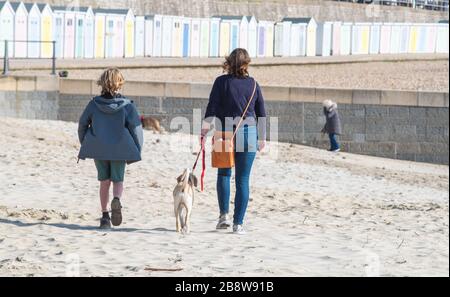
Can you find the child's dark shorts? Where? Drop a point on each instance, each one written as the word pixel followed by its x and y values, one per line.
pixel 112 170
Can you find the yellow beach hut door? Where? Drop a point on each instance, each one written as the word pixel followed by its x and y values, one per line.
pixel 47 32
pixel 99 36
pixel 129 37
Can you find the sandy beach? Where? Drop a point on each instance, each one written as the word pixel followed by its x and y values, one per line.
pixel 312 213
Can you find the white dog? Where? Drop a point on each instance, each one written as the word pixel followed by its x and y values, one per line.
pixel 183 198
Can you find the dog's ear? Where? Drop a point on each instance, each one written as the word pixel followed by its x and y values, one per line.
pixel 193 180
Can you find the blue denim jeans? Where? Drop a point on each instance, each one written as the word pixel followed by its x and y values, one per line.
pixel 333 142
pixel 246 147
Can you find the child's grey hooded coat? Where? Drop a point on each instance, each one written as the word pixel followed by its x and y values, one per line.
pixel 333 123
pixel 110 129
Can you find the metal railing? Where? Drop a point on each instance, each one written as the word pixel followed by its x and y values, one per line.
pixel 440 5
pixel 6 56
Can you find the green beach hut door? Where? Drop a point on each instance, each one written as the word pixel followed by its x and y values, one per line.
pixel 80 38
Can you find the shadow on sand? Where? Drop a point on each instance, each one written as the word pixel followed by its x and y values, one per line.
pixel 76 227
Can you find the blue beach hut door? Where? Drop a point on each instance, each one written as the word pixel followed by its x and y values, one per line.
pixel 214 39
pixel 186 37
pixel 234 36
pixel 59 37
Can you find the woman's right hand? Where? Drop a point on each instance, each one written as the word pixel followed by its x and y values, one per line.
pixel 203 137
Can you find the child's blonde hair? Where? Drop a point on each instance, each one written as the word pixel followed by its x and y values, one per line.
pixel 111 81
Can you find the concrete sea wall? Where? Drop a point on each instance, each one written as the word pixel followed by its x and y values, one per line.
pixel 394 124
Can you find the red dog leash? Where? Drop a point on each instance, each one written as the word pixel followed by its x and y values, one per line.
pixel 202 152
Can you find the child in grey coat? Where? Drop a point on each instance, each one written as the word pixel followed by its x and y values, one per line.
pixel 333 124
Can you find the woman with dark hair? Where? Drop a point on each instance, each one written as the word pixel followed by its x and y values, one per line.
pixel 229 98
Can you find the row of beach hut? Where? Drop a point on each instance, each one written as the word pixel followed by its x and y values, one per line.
pixel 115 33
pixel 305 37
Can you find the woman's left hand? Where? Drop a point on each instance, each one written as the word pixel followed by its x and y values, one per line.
pixel 261 145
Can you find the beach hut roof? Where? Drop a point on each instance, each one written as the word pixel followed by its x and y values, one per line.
pixel 29 6
pixel 112 11
pixel 43 6
pixel 229 17
pixel 3 3
pixel 15 5
pixel 298 20
pixel 250 17
pixel 67 8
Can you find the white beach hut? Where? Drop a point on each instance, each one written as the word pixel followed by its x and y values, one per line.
pixel 282 39
pixel 20 31
pixel 336 39
pixel 204 37
pixel 236 29
pixel 243 32
pixel 195 37
pixel 262 39
pixel 385 38
pixel 89 33
pixel 214 37
pixel 346 39
pixel 34 32
pixel 166 37
pixel 6 28
pixel 375 35
pixel 324 38
pixel 442 38
pixel 294 40
pixel 80 31
pixel 311 32
pixel 252 36
pixel 139 40
pixel 396 37
pixel 99 34
pixel 177 37
pixel 186 37
pixel 430 31
pixel 46 30
pixel 68 31
pixel 119 27
pixel 157 35
pixel 148 32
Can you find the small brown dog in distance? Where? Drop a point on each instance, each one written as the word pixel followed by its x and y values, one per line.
pixel 150 123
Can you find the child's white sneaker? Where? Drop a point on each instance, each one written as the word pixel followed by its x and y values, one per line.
pixel 238 229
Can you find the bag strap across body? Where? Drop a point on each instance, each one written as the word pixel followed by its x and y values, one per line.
pixel 245 112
